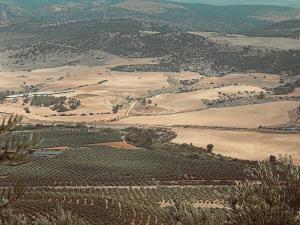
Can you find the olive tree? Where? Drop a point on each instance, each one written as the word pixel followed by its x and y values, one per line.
pixel 271 198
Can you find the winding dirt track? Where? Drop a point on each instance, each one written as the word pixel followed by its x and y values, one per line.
pixel 131 108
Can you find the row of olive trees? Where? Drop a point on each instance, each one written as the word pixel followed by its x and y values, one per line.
pixel 8 216
pixel 273 199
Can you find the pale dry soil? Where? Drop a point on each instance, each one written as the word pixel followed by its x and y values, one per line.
pixel 192 101
pixel 242 144
pixel 248 116
pixel 117 144
pixel 96 99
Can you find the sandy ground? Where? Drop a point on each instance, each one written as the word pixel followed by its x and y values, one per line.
pixel 249 116
pixel 241 144
pixel 269 42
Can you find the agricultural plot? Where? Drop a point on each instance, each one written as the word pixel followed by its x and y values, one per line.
pixel 242 144
pixel 193 101
pixel 248 116
pixel 136 108
pixel 106 185
pixel 118 205
pixel 72 137
pixel 100 165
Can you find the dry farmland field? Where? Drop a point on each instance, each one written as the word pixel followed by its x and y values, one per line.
pixel 121 112
pixel 250 116
pixel 161 99
pixel 242 144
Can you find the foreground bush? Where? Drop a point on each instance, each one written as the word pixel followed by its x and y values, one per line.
pixel 273 200
pixel 60 217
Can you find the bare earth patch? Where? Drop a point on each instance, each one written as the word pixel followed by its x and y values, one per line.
pixel 242 144
pixel 59 148
pixel 249 116
pixel 119 144
pixel 192 101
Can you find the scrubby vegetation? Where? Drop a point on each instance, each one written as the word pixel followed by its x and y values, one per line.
pixel 58 104
pixel 286 88
pixel 147 138
pixel 175 50
pixel 273 199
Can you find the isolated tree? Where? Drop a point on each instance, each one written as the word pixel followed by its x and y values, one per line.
pixel 210 147
pixel 148 142
pixel 274 199
pixel 273 159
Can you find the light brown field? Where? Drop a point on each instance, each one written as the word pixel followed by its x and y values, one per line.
pixel 96 99
pixel 269 42
pixel 119 144
pixel 184 108
pixel 252 79
pixel 242 144
pixel 249 116
pixel 192 101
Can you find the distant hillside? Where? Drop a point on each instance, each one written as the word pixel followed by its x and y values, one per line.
pixel 43 3
pixel 290 3
pixel 179 16
pixel 10 14
pixel 289 28
pixel 35 3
